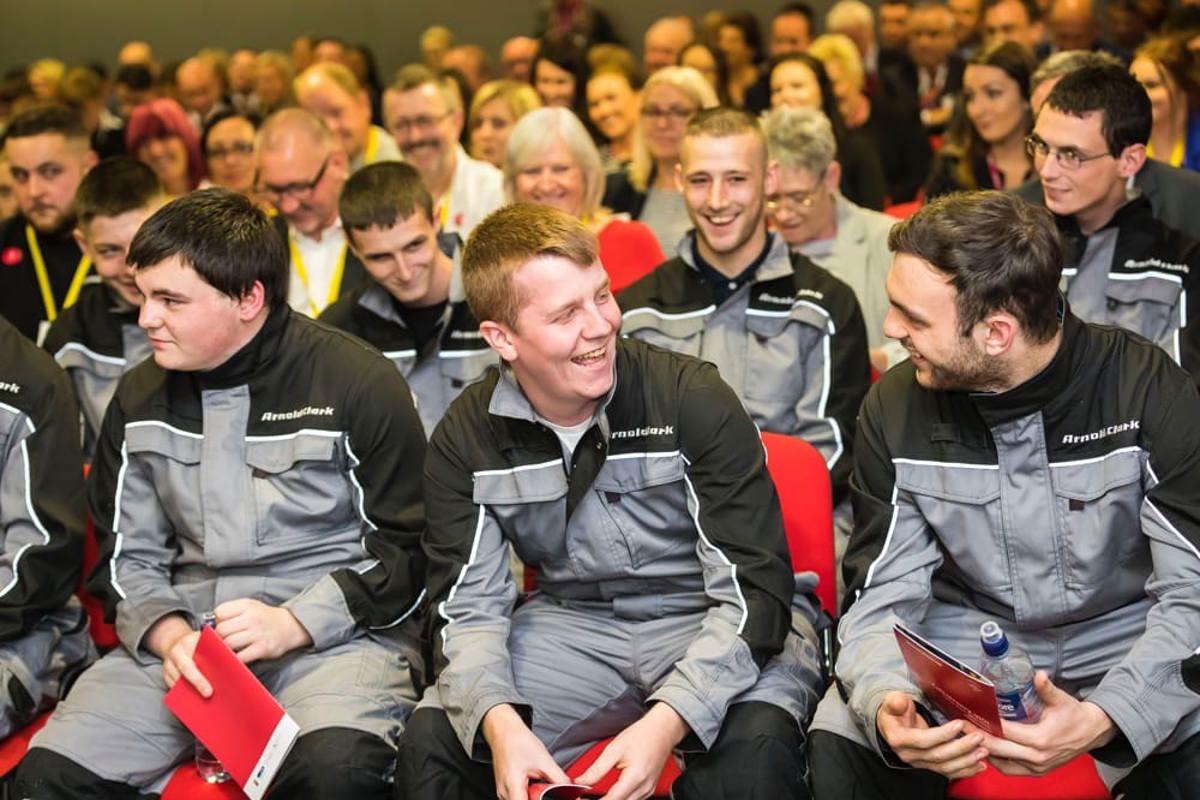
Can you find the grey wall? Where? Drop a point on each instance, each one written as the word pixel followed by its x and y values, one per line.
pixel 75 30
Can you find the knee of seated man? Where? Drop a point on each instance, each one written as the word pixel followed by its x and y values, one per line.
pixel 756 736
pixel 335 763
pixel 46 775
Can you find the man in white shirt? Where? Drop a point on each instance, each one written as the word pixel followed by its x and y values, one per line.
pixel 331 91
pixel 301 169
pixel 425 115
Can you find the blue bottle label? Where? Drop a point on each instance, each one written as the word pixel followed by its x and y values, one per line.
pixel 1011 706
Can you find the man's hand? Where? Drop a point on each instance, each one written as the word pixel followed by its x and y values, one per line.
pixel 942 749
pixel 517 755
pixel 255 630
pixel 639 752
pixel 173 640
pixel 1066 728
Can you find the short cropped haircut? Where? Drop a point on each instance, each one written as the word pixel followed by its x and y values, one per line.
pixel 1124 106
pixel 723 121
pixel 44 119
pixel 115 186
pixel 382 194
pixel 799 138
pixel 509 238
pixel 224 237
pixel 1058 64
pixel 538 131
pixel 999 252
pixel 801 9
pixel 414 76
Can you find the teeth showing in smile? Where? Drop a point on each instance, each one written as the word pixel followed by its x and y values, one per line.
pixel 721 220
pixel 594 355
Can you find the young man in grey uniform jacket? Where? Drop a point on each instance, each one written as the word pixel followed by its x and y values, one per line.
pixel 43 631
pixel 635 483
pixel 1028 468
pixel 262 467
pixel 413 309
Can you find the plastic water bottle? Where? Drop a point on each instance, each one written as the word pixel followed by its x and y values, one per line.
pixel 1010 669
pixel 208 765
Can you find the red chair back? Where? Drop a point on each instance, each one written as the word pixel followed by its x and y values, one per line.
pixel 1075 780
pixel 806 498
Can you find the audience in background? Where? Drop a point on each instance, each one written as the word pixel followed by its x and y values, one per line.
pixel 331 91
pixel 968 25
pixel 664 42
pixel 613 106
pixel 495 108
pixel 516 58
pixel 894 24
pixel 201 89
pixel 1171 78
pixel 792 29
pixel 273 81
pixel 161 134
pixel 1014 21
pixel 227 144
pixel 560 74
pixel 740 41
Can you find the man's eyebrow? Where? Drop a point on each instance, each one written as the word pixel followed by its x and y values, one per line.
pixel 167 293
pixel 908 312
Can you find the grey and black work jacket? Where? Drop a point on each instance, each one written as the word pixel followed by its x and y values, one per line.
pixel 41 485
pixel 1064 507
pixel 1137 274
pixel 791 342
pixel 454 358
pixel 289 474
pixel 666 509
pixel 96 341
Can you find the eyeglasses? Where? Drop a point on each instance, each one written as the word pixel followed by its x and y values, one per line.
pixel 1067 157
pixel 794 201
pixel 674 113
pixel 424 122
pixel 234 148
pixel 297 191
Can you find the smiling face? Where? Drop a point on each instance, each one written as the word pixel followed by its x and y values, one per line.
pixel 489 133
pixel 994 104
pixel 106 240
pixel 230 150
pixel 424 128
pixel 555 85
pixel 167 156
pixel 793 85
pixel 666 110
pixel 347 115
pixel 724 180
pixel 803 208
pixel 612 105
pixel 554 180
pixel 562 348
pixel 405 260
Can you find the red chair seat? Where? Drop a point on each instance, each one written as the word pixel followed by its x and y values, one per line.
pixel 670 772
pixel 12 749
pixel 1075 780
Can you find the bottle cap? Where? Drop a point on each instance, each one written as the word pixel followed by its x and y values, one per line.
pixel 992 638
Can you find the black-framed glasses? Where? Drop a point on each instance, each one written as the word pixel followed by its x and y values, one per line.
pixel 232 149
pixel 425 122
pixel 794 201
pixel 298 190
pixel 673 113
pixel 1067 157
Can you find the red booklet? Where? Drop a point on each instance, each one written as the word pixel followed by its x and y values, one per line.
pixel 559 791
pixel 958 691
pixel 241 724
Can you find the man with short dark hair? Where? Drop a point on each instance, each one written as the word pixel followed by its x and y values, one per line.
pixel 424 112
pixel 98 340
pixel 262 468
pixel 413 309
pixel 1123 266
pixel 935 73
pixel 1025 467
pixel 791 29
pixel 1017 21
pixel 41 267
pixel 634 481
pixel 785 334
pixel 893 24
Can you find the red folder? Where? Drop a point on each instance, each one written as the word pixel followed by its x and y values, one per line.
pixel 241 724
pixel 559 791
pixel 958 691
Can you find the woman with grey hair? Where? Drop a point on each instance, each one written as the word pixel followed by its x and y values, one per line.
pixel 551 160
pixel 815 219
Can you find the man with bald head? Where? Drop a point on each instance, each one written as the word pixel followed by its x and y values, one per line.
pixel 1073 26
pixel 516 57
pixel 471 62
pixel 137 52
pixel 302 167
pixel 424 113
pixel 664 41
pixel 201 90
pixel 331 91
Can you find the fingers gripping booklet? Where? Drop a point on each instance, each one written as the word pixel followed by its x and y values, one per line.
pixel 241 724
pixel 956 689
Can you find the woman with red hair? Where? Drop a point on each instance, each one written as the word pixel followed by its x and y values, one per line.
pixel 160 134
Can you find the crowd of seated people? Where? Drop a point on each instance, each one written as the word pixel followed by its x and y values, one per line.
pixel 355 363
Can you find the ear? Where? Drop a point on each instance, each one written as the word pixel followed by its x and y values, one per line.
pixel 833 176
pixel 679 175
pixel 252 302
pixel 771 179
pixel 90 160
pixel 340 161
pixel 1131 160
pixel 500 338
pixel 999 332
pixel 82 241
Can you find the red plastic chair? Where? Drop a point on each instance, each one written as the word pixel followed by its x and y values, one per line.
pixel 1075 780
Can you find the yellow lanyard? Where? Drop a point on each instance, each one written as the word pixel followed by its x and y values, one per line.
pixel 443 213
pixel 335 284
pixel 372 146
pixel 43 277
pixel 1176 159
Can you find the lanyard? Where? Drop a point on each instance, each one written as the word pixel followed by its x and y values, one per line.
pixel 372 146
pixel 43 277
pixel 443 213
pixel 335 284
pixel 1176 159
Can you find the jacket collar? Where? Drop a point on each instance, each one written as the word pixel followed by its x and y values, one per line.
pixel 254 356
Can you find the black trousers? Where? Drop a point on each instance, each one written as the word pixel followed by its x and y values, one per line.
pixel 336 763
pixel 758 755
pixel 845 770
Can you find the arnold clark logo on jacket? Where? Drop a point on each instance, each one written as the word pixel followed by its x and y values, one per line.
pixel 307 411
pixel 653 430
pixel 11 388
pixel 1080 438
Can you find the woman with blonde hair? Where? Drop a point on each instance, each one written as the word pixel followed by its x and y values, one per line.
pixel 495 108
pixel 551 160
pixel 273 81
pixel 647 191
pixel 1171 76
